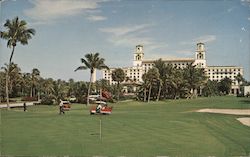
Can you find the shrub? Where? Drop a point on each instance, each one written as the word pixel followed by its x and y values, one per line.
pixel 47 100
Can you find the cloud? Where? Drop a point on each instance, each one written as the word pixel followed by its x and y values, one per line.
pixel 96 18
pixel 124 30
pixel 231 9
pixel 245 2
pixel 203 39
pixel 243 29
pixel 132 35
pixel 248 18
pixel 49 10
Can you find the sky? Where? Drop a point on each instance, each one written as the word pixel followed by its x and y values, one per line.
pixel 66 30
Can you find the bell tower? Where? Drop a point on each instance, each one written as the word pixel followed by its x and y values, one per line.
pixel 200 56
pixel 138 55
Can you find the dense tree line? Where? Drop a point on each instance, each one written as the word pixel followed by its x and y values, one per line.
pixel 32 86
pixel 164 81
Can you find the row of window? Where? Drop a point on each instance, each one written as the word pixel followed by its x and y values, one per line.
pixel 174 64
pixel 221 76
pixel 223 70
pixel 230 73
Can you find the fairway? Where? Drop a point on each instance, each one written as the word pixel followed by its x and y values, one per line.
pixel 165 128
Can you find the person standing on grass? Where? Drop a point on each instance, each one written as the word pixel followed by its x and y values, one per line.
pixel 24 107
pixel 61 107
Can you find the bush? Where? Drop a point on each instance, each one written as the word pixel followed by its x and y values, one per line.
pixel 47 100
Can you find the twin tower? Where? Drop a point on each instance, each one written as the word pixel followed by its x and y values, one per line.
pixel 199 60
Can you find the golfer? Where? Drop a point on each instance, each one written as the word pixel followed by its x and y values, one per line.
pixel 61 110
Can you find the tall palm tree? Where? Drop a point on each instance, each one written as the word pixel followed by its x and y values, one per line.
pixel 92 61
pixel 17 31
pixel 118 75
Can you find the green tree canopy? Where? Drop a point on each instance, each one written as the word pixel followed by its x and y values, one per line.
pixel 92 61
pixel 16 31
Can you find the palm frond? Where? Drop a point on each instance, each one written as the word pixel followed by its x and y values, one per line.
pixel 81 68
pixel 86 63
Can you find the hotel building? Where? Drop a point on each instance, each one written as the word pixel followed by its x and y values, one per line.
pixel 141 66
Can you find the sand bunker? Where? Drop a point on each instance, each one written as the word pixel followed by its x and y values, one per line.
pixel 244 121
pixel 227 111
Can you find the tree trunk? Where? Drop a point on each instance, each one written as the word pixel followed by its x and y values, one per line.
pixel 149 92
pixel 159 93
pixel 118 92
pixel 31 92
pixel 90 82
pixel 34 92
pixel 195 93
pixel 7 89
pixel 7 79
pixel 145 95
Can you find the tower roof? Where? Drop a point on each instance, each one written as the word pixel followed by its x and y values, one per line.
pixel 200 43
pixel 139 45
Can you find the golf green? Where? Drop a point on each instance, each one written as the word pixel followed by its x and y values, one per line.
pixel 164 128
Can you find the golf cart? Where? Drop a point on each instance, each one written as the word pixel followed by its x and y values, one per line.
pixel 100 108
pixel 66 106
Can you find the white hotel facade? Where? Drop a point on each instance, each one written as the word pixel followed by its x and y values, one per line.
pixel 141 66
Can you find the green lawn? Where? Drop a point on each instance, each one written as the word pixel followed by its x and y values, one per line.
pixel 166 128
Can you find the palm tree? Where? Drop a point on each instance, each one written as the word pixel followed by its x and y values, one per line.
pixel 14 73
pixel 92 62
pixel 162 68
pixel 159 81
pixel 145 86
pixel 47 86
pixel 152 76
pixel 239 78
pixel 17 31
pixel 195 78
pixel 118 75
pixel 35 75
